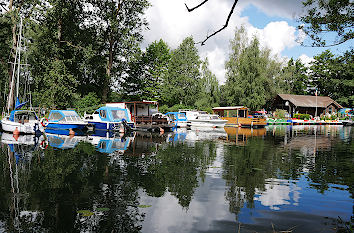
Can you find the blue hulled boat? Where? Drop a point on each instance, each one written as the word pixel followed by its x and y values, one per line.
pixel 110 118
pixel 178 118
pixel 64 120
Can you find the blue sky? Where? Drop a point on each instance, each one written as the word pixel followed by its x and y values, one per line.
pixel 260 20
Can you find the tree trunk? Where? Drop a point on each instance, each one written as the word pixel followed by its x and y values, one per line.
pixel 107 79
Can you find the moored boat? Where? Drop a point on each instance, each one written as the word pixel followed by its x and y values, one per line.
pixel 238 117
pixel 110 118
pixel 203 119
pixel 180 119
pixel 64 120
pixel 21 121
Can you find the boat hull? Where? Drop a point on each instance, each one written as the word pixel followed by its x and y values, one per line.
pixel 109 125
pixel 181 124
pixel 31 127
pixel 66 126
pixel 207 123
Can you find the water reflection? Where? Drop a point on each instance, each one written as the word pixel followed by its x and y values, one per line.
pixel 183 181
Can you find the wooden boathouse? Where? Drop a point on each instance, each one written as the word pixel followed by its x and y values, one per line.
pixel 306 104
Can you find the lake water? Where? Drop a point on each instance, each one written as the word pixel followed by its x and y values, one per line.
pixel 281 178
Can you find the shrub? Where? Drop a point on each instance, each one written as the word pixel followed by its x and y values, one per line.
pixel 163 108
pixel 280 113
pixel 89 103
pixel 302 116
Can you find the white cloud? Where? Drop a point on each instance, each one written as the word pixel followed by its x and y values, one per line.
pixel 169 20
pixel 277 193
pixel 277 36
pixel 217 59
pixel 306 60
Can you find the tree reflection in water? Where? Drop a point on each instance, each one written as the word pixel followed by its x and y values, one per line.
pixel 287 154
pixel 81 189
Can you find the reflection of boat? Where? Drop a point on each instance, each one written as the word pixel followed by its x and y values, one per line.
pixel 64 141
pixel 348 122
pixel 22 145
pixel 240 135
pixel 178 118
pixel 65 119
pixel 203 119
pixel 204 133
pixel 109 145
pixel 238 116
pixel 27 139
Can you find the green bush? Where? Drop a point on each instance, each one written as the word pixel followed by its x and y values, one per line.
pixel 163 108
pixel 302 116
pixel 280 113
pixel 89 103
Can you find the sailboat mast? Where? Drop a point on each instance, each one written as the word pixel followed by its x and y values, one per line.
pixel 10 101
pixel 19 60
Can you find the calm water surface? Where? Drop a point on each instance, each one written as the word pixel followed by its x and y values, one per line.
pixel 275 179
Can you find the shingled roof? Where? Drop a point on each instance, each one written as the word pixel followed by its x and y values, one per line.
pixel 309 100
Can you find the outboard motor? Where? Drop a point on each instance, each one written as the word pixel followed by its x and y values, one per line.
pixel 126 126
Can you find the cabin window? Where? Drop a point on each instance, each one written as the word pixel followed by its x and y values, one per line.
pixel 55 116
pixel 103 113
pixel 181 116
pixel 330 110
pixel 103 145
pixel 241 113
pixel 172 116
pixel 118 114
pixel 232 113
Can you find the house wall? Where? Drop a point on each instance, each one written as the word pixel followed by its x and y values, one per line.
pixel 331 109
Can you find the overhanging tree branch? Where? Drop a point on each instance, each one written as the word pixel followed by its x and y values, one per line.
pixel 192 9
pixel 222 28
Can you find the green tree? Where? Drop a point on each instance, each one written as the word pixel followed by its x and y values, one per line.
pixel 181 84
pixel 209 95
pixel 146 73
pixel 118 27
pixel 324 17
pixel 59 35
pixel 294 77
pixel 60 87
pixel 251 73
pixel 5 49
pixel 333 76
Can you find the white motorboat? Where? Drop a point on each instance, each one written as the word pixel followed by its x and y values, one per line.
pixel 203 119
pixel 24 121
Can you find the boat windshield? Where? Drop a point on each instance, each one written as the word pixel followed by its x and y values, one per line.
pixel 172 116
pixel 24 116
pixel 181 116
pixel 119 114
pixel 215 117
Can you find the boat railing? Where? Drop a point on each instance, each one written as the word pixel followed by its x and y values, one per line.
pixel 151 119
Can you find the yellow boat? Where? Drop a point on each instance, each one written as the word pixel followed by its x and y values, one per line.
pixel 238 117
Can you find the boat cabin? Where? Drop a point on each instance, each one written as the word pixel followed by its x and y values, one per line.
pixel 22 116
pixel 239 116
pixel 63 116
pixel 113 114
pixel 177 116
